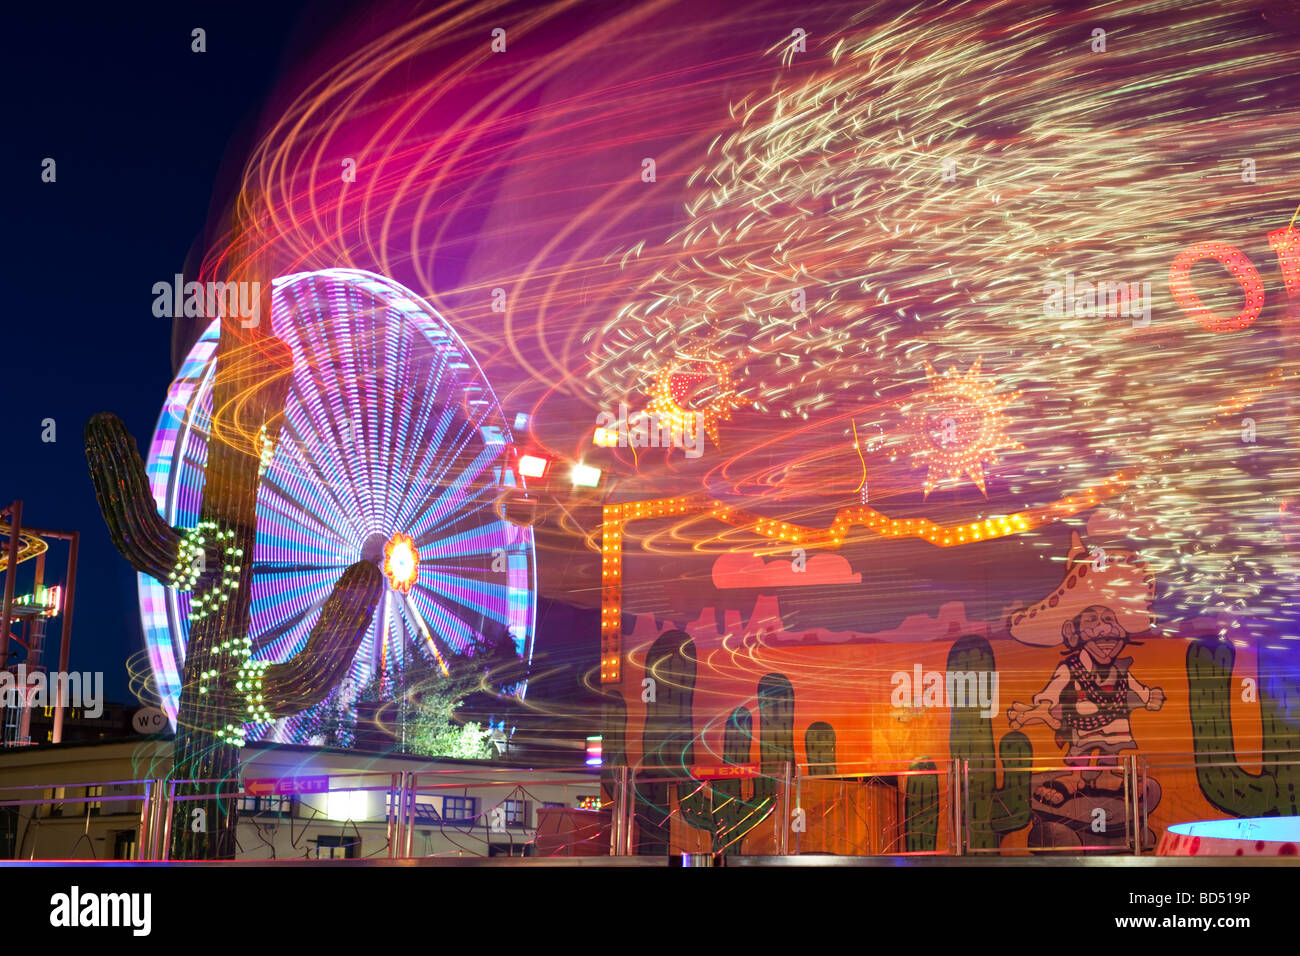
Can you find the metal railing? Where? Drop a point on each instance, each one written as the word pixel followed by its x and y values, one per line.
pixel 497 813
pixel 343 805
pixel 894 808
pixel 954 807
pixel 32 834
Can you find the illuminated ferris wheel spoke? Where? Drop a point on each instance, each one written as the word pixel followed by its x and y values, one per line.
pixel 453 629
pixel 317 468
pixel 420 633
pixel 430 461
pixel 450 502
pixel 288 567
pixel 298 516
pixel 286 633
pixel 471 596
pixel 390 434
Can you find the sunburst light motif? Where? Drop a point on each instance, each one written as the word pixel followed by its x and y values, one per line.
pixel 957 426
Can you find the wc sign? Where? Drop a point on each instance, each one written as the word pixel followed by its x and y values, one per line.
pixel 148 720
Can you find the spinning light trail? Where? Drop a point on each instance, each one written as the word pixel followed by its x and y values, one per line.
pixel 828 221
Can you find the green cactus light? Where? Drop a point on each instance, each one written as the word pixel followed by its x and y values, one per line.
pixel 223 688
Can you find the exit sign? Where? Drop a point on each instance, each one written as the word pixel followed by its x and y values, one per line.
pixel 726 771
pixel 281 785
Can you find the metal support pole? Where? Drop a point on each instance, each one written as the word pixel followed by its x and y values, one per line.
pixel 952 820
pixel 410 784
pixel 963 826
pixel 627 801
pixel 166 849
pixel 66 641
pixel 1142 795
pixel 393 815
pixel 158 824
pixel 146 830
pixel 783 813
pixel 11 574
pixel 618 797
pixel 798 803
pixel 1131 771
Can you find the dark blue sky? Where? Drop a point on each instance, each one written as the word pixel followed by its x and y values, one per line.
pixel 146 136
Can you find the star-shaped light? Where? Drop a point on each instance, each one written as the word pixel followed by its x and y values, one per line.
pixel 957 425
pixel 676 391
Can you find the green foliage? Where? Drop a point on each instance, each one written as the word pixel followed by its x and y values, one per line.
pixel 433 712
pixel 432 730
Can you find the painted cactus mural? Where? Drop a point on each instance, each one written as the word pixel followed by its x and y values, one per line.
pixel 613 740
pixel 733 815
pixel 668 740
pixel 819 745
pixel 223 687
pixel 921 809
pixel 722 809
pixel 994 810
pixel 775 732
pixel 1275 790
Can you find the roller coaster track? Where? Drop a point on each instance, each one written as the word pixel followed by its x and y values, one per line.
pixel 29 545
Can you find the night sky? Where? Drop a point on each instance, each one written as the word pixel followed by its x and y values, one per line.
pixel 146 136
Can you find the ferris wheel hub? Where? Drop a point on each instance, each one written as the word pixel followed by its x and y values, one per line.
pixel 401 562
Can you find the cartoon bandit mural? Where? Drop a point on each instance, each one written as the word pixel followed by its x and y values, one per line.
pixel 1102 605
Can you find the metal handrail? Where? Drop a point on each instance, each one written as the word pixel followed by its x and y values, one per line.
pixel 160 798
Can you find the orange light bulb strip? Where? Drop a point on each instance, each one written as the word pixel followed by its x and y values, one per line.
pixel 617 517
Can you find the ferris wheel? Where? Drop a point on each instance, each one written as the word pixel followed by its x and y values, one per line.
pixel 392 450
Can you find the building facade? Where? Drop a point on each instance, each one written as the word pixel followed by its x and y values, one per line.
pixel 110 800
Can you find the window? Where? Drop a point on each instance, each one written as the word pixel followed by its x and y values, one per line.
pixel 56 794
pixel 424 811
pixel 459 809
pixel 94 806
pixel 8 832
pixel 511 849
pixel 337 847
pixel 124 845
pixel 280 806
pixel 516 813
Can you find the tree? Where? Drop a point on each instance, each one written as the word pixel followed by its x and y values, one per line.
pixel 450 714
pixel 432 730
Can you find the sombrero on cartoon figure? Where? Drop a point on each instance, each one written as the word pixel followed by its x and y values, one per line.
pixel 1118 580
